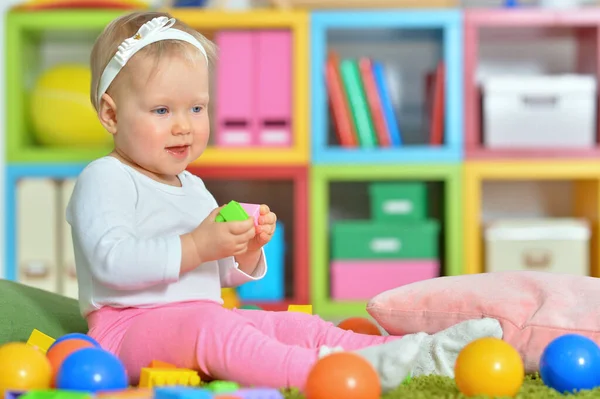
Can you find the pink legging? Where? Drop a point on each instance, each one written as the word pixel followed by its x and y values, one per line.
pixel 251 347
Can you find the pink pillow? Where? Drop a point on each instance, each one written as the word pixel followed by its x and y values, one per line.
pixel 533 307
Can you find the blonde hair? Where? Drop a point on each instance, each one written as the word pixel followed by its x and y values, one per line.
pixel 107 43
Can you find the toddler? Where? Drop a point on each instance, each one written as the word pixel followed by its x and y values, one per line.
pixel 151 260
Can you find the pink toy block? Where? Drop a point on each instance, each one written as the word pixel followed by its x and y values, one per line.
pixel 363 279
pixel 253 210
pixel 236 126
pixel 274 87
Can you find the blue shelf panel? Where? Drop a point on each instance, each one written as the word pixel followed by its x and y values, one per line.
pixel 450 24
pixel 15 172
pixel 412 154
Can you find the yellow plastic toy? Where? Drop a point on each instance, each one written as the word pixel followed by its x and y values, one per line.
pixel 489 367
pixel 230 298
pixel 61 111
pixel 23 367
pixel 39 340
pixel 300 308
pixel 153 377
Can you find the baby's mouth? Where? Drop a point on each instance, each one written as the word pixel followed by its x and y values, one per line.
pixel 178 150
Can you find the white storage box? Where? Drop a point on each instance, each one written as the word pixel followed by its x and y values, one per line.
pixel 551 245
pixel 539 111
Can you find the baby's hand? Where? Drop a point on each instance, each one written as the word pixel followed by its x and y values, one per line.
pixel 217 240
pixel 264 229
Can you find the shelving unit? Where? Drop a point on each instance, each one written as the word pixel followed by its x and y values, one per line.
pixel 445 29
pixel 302 179
pixel 448 213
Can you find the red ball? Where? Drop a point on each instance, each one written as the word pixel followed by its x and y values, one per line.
pixel 360 325
pixel 343 375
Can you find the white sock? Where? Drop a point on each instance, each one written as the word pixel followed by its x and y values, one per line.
pixel 423 354
pixel 439 351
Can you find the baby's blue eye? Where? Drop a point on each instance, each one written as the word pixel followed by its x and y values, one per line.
pixel 161 111
pixel 197 109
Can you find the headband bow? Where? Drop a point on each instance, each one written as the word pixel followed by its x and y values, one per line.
pixel 159 28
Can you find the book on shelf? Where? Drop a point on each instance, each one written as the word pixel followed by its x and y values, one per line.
pixel 361 106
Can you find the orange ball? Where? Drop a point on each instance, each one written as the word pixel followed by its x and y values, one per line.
pixel 343 375
pixel 360 325
pixel 59 352
pixel 23 367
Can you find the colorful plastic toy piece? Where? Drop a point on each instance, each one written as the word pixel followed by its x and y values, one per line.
pixel 13 394
pixel 159 364
pixel 570 363
pixel 131 393
pixel 23 368
pixel 40 340
pixel 168 377
pixel 233 211
pixel 238 211
pixel 54 394
pixel 360 325
pixel 182 393
pixel 300 308
pixel 92 370
pixel 230 298
pixel 259 393
pixel 57 353
pixel 85 337
pixel 252 210
pixel 250 307
pixel 343 375
pixel 489 367
pixel 223 386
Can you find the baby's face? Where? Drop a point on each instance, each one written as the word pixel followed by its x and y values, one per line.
pixel 162 116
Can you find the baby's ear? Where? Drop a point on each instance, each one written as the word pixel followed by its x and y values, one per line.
pixel 107 113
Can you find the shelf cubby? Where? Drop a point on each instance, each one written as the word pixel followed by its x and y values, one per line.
pixel 389 36
pixel 525 41
pixel 284 189
pixel 38 241
pixel 576 194
pixel 210 22
pixel 347 186
pixel 36 41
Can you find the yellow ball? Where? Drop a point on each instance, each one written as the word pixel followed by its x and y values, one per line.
pixel 23 367
pixel 61 111
pixel 489 366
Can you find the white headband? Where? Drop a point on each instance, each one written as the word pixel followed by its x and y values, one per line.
pixel 152 31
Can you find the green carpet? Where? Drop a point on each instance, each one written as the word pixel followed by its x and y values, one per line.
pixel 444 388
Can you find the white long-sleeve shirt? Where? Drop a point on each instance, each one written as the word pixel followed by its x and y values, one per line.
pixel 125 229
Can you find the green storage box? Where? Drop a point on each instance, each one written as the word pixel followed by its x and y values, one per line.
pixel 358 239
pixel 391 202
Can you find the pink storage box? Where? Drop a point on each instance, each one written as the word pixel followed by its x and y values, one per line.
pixel 364 279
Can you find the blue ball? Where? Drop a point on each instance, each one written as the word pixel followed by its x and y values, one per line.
pixel 75 335
pixel 92 370
pixel 571 363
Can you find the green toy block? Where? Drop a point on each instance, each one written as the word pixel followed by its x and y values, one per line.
pixel 233 211
pixel 219 387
